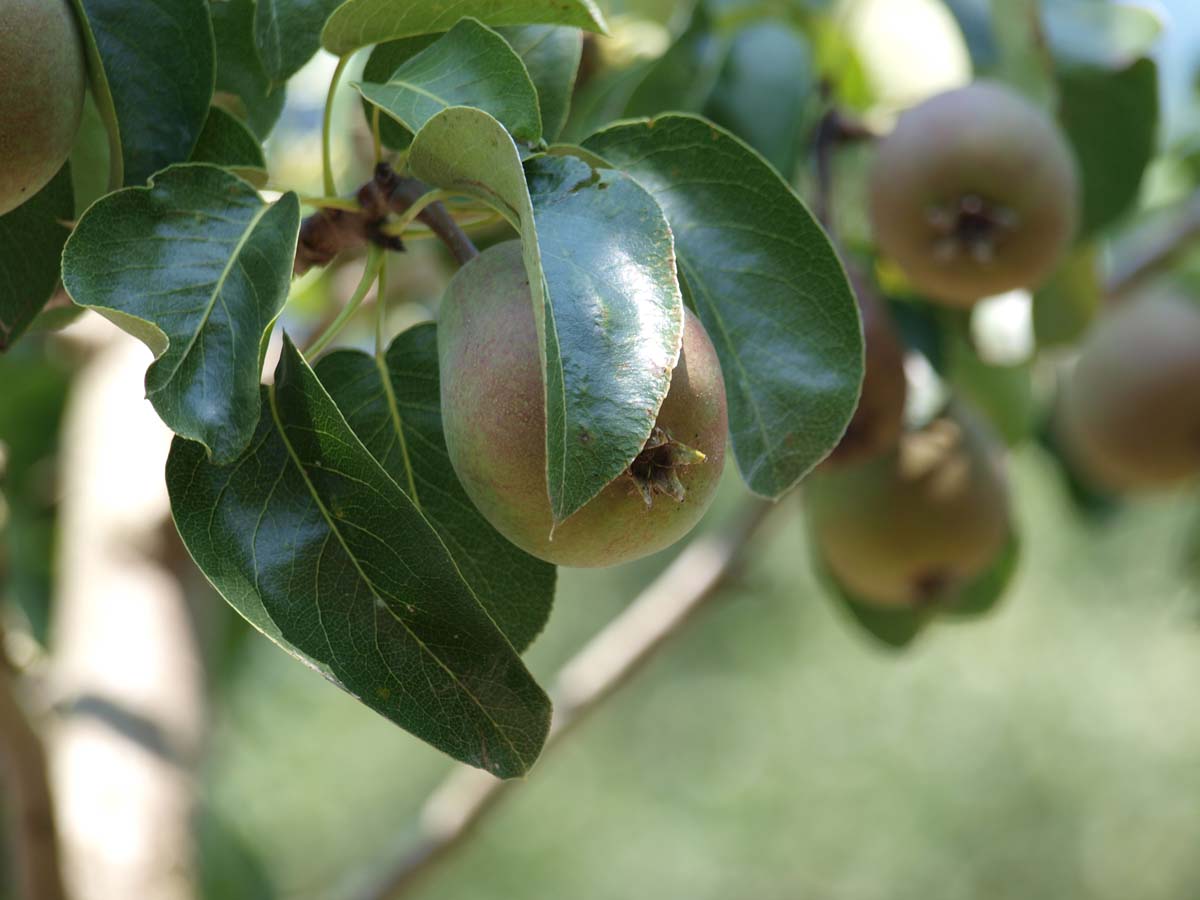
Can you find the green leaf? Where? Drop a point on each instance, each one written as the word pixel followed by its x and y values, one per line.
pixel 898 627
pixel 976 24
pixel 1021 49
pixel 603 99
pixel 1087 34
pixel 393 405
pixel 470 65
pixel 1111 119
pixel 90 162
pixel 158 66
pixel 240 74
pixel 360 23
pixel 684 78
pixel 1003 393
pixel 309 538
pixel 31 242
pixel 197 267
pixel 600 261
pixel 766 92
pixel 551 54
pixel 37 385
pixel 982 594
pixel 288 33
pixel 767 284
pixel 227 142
pixel 1064 307
pixel 383 61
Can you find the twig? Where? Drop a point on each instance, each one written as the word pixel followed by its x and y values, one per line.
pixel 833 131
pixel 1160 255
pixel 330 231
pixel 436 216
pixel 460 803
pixel 33 832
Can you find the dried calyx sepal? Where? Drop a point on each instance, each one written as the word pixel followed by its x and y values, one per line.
pixel 656 469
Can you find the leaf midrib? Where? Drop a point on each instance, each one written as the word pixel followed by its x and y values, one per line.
pixel 398 424
pixel 275 415
pixel 234 259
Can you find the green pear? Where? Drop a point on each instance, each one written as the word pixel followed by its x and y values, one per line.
pixel 910 528
pixel 878 419
pixel 42 81
pixel 1129 413
pixel 974 193
pixel 493 413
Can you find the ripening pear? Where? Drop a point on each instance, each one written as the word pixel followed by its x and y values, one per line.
pixel 1129 413
pixel 493 413
pixel 910 528
pixel 974 193
pixel 42 81
pixel 879 417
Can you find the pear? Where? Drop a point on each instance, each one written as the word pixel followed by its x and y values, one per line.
pixel 42 81
pixel 493 413
pixel 974 193
pixel 910 528
pixel 1129 414
pixel 879 417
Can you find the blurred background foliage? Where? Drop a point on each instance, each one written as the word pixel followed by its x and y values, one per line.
pixel 774 750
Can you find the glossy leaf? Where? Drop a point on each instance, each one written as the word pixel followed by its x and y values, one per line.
pixel 607 303
pixel 360 23
pixel 1112 158
pixel 309 538
pixel 241 78
pixel 551 54
pixel 228 143
pixel 767 284
pixel 288 33
pixel 766 91
pixel 160 115
pixel 470 65
pixel 393 405
pixel 31 242
pixel 197 266
pixel 383 61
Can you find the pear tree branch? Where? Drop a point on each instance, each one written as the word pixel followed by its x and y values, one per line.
pixel 1160 254
pixel 692 581
pixel 330 231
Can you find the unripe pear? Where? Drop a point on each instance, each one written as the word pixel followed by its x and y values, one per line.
pixel 910 528
pixel 493 413
pixel 42 81
pixel 879 417
pixel 1129 414
pixel 974 193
